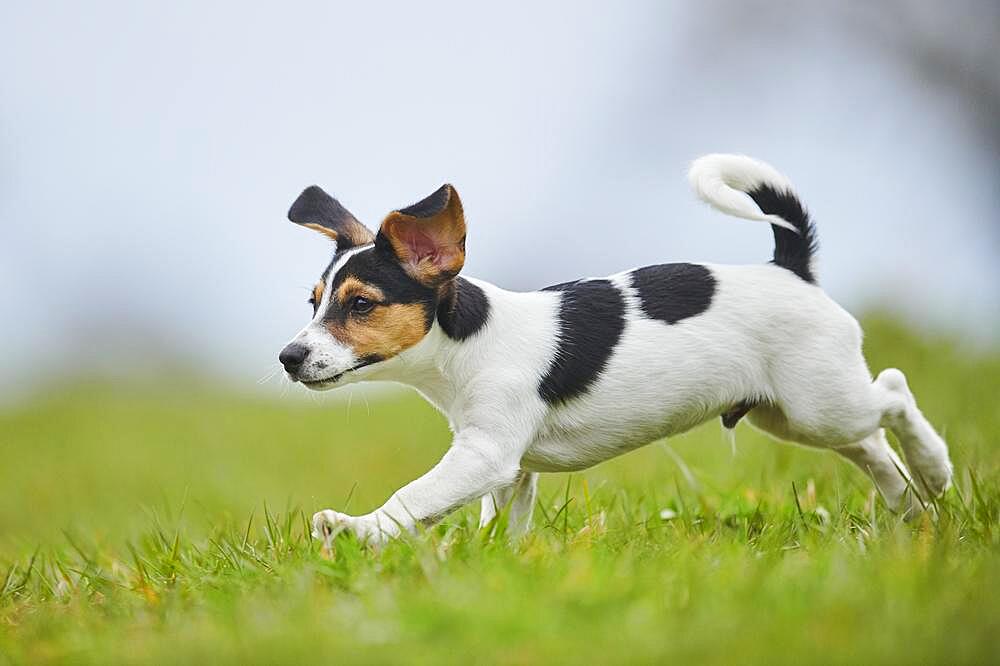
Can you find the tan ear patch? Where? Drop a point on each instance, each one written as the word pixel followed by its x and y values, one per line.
pixel 428 237
pixel 444 261
pixel 329 233
pixel 384 332
pixel 317 210
pixel 350 235
pixel 357 233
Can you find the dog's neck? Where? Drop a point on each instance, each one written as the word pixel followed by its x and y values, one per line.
pixel 427 367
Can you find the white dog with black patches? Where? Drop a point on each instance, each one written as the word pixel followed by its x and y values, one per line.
pixel 564 378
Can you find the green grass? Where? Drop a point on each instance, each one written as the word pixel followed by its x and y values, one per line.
pixel 168 524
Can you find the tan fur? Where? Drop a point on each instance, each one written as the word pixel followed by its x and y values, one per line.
pixel 352 287
pixel 385 331
pixel 354 233
pixel 318 292
pixel 329 233
pixel 358 233
pixel 446 231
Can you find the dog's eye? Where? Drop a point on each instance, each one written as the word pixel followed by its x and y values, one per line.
pixel 313 303
pixel 361 305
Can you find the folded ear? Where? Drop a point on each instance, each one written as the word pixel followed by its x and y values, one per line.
pixel 320 212
pixel 428 237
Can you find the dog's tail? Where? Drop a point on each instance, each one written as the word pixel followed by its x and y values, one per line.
pixel 744 187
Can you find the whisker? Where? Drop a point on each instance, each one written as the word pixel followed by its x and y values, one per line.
pixel 269 375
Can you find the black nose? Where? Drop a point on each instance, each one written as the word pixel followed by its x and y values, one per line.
pixel 292 357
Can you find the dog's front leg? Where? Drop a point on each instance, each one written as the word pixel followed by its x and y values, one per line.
pixel 476 464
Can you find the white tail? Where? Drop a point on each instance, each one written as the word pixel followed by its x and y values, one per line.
pixel 723 182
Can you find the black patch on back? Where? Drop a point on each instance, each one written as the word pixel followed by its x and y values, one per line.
pixel 673 292
pixel 793 251
pixel 591 321
pixel 463 309
pixel 562 286
pixel 429 207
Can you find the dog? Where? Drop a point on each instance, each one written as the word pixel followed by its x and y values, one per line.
pixel 564 378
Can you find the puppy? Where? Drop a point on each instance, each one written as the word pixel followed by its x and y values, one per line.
pixel 567 377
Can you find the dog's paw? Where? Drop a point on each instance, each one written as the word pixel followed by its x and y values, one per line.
pixel 328 523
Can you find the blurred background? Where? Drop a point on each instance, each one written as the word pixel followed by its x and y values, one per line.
pixel 148 279
pixel 149 152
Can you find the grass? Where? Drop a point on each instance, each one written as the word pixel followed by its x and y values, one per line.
pixel 168 524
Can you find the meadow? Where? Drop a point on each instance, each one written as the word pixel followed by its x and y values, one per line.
pixel 164 521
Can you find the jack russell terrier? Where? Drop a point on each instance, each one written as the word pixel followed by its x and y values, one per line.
pixel 567 377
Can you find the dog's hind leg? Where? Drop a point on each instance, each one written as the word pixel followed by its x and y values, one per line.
pixel 521 495
pixel 872 454
pixel 846 412
pixel 880 462
pixel 925 450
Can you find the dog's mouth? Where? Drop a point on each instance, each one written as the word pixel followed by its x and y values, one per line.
pixel 328 382
pixel 320 383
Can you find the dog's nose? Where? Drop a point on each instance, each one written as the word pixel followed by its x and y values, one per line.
pixel 292 357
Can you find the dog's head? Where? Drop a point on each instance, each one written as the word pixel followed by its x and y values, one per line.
pixel 379 295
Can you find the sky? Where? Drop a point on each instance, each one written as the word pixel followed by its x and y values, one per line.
pixel 149 153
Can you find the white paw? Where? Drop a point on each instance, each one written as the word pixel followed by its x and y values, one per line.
pixel 329 523
pixel 934 478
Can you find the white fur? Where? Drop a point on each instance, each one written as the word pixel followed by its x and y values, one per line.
pixel 768 336
pixel 328 357
pixel 723 181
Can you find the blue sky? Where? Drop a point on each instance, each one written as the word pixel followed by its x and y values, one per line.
pixel 148 156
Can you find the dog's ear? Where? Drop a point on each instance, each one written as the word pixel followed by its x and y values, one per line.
pixel 428 237
pixel 320 212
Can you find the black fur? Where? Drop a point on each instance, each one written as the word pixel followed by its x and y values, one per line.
pixel 732 416
pixel 463 309
pixel 314 206
pixel 793 251
pixel 430 206
pixel 379 267
pixel 591 321
pixel 672 292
